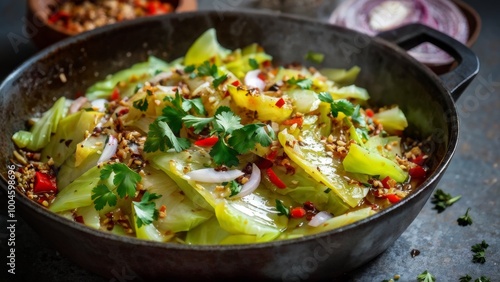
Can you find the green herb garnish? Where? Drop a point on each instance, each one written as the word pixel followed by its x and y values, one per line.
pixel 443 200
pixel 282 209
pixel 465 219
pixel 426 276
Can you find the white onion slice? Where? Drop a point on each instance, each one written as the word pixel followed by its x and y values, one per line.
pixel 200 88
pixel 251 184
pixel 252 80
pixel 109 149
pixel 99 105
pixel 161 76
pixel 319 218
pixel 77 104
pixel 210 175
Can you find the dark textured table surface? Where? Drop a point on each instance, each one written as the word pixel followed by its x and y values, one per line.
pixel 444 246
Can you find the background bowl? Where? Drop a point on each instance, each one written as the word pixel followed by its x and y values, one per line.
pixel 39 11
pixel 391 76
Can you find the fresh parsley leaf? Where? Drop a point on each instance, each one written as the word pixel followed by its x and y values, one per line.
pixel 245 138
pixel 106 172
pixel 480 247
pixel 325 97
pixel 442 200
pixel 303 83
pixel 173 117
pixel 218 80
pixel 227 121
pixel 253 63
pixel 234 187
pixel 465 219
pixel 145 210
pixel 482 279
pixel 465 278
pixel 342 106
pixel 479 257
pixel 102 196
pixel 138 87
pixel 189 69
pixel 161 137
pixel 222 154
pixel 426 277
pixel 357 117
pixel 315 57
pixel 125 180
pixel 206 69
pixel 198 123
pixel 195 104
pixel 141 105
pixel 282 209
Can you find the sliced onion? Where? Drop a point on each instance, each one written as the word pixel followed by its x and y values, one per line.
pixel 374 16
pixel 252 80
pixel 319 219
pixel 77 104
pixel 203 86
pixel 210 175
pixel 161 76
pixel 109 149
pixel 99 105
pixel 251 184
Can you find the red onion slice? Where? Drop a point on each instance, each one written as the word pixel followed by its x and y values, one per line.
pixel 252 80
pixel 251 184
pixel 374 16
pixel 109 149
pixel 77 104
pixel 210 175
pixel 319 219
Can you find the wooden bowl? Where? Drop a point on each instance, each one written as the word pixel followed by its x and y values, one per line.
pixel 47 33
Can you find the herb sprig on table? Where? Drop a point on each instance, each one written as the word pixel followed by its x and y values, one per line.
pixel 443 200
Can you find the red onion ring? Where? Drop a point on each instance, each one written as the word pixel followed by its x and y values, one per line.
pixel 109 149
pixel 210 175
pixel 442 15
pixel 251 184
pixel 319 219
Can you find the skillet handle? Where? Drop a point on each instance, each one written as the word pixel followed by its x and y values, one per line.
pixel 458 79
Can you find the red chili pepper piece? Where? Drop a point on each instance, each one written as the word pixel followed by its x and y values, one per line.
pixel 369 112
pixel 44 183
pixel 393 198
pixel 275 179
pixel 298 212
pixel 419 160
pixel 417 172
pixel 297 120
pixel 207 142
pixel 280 103
pixel 385 182
pixel 264 164
pixel 272 155
pixel 79 219
pixel 236 83
pixel 266 64
pixel 115 95
pixel 262 76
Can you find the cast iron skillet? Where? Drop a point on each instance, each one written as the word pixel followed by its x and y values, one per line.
pixel 390 75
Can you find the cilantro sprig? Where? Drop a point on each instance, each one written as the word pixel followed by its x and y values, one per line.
pixel 443 200
pixel 479 252
pixel 207 69
pixel 303 83
pixel 465 219
pixel 339 106
pixel 426 276
pixel 124 182
pixel 282 209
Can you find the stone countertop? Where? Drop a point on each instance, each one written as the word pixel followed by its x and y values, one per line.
pixel 444 246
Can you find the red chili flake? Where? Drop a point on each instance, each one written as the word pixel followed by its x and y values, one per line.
pixel 385 182
pixel 264 163
pixel 275 179
pixel 417 172
pixel 393 198
pixel 298 120
pixel 272 155
pixel 227 94
pixel 419 160
pixel 262 76
pixel 123 111
pixel 309 206
pixel 236 83
pixel 79 219
pixel 280 103
pixel 266 64
pixel 207 142
pixel 297 212
pixel 115 95
pixel 44 183
pixel 369 112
